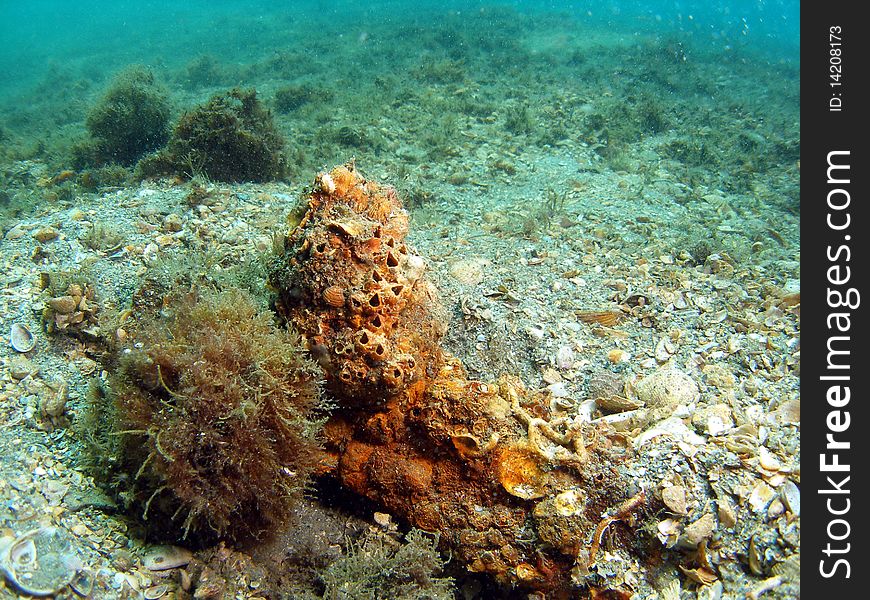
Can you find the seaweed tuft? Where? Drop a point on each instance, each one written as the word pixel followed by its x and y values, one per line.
pixel 230 138
pixel 215 411
pixel 131 119
pixel 374 570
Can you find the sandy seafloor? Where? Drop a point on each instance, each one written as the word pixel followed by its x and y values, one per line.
pixel 647 168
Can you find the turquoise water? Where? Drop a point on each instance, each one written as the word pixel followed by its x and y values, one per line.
pixel 576 72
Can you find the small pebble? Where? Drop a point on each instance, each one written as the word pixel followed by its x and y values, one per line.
pixel 617 356
pixel 21 366
pixel 565 358
pixel 45 234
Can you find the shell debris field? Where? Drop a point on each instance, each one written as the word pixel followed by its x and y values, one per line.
pixel 481 463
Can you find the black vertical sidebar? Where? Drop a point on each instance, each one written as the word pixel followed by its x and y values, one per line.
pixel 835 362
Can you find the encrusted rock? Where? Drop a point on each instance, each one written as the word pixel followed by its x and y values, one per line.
pixel 411 432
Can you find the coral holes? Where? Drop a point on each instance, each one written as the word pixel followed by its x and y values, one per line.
pixel 356 303
pixel 392 261
pixel 375 300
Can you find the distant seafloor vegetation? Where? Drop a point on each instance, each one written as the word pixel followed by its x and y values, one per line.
pixel 433 93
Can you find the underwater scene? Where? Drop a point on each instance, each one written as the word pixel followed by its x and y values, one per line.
pixel 400 300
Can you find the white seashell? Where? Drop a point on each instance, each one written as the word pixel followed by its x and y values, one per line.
pixel 21 338
pixel 565 358
pixel 160 558
pixel 326 183
pixel 586 411
pixel 761 496
pixel 569 503
pixel 558 390
pixel 664 350
pixel 791 496
pixel 671 427
pixel 156 591
pixel 768 461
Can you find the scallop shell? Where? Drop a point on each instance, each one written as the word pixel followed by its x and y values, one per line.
pixel 607 318
pixel 21 338
pixel 334 296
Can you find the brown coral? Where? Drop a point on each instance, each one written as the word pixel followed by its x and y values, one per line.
pixel 474 461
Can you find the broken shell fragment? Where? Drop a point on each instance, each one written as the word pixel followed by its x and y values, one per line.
pixel 618 404
pixel 791 496
pixel 761 496
pixel 618 355
pixel 699 530
pixel 21 338
pixel 675 499
pixel 63 305
pixel 161 558
pixel 83 583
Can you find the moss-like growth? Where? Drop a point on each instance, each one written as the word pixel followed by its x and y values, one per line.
pixel 203 71
pixel 375 570
pixel 108 176
pixel 131 119
pixel 230 138
pixel 290 98
pixel 215 409
pixel 102 237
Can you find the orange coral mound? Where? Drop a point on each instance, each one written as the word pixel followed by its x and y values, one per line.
pixel 411 432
